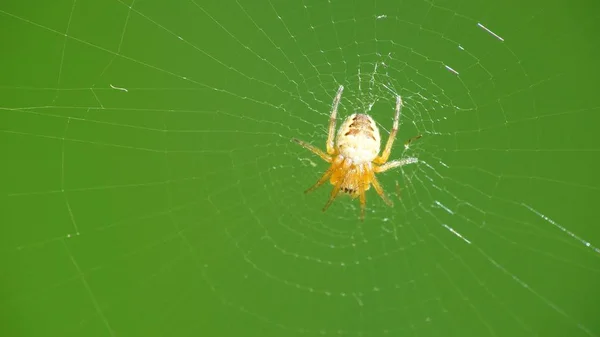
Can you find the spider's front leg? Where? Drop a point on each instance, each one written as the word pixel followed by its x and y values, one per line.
pixel 388 146
pixel 331 134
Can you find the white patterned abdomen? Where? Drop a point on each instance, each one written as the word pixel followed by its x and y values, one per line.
pixel 358 139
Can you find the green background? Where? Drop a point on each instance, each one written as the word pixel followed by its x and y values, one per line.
pixel 148 185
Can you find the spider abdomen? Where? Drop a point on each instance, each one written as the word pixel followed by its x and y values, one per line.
pixel 358 139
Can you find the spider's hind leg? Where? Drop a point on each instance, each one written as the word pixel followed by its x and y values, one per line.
pixel 334 166
pixel 363 181
pixel 345 168
pixel 321 180
pixel 334 192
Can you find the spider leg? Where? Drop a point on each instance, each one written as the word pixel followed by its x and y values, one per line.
pixel 321 180
pixel 313 149
pixel 334 166
pixel 333 195
pixel 331 133
pixel 336 188
pixel 388 146
pixel 379 190
pixel 362 182
pixel 395 163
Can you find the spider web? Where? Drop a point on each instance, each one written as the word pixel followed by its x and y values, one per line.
pixel 150 187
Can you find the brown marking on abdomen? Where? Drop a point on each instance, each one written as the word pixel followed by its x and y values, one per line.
pixel 361 124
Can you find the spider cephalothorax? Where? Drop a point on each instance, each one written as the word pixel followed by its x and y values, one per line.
pixel 354 157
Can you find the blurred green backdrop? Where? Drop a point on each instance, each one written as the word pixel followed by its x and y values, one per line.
pixel 149 186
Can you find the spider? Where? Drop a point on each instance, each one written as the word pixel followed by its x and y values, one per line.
pixel 354 156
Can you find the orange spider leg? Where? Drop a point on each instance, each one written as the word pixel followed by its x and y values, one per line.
pixel 314 150
pixel 362 182
pixel 379 190
pixel 334 166
pixel 388 146
pixel 336 188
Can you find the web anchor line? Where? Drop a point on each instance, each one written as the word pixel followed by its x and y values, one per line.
pixel 571 234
